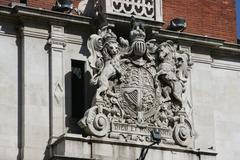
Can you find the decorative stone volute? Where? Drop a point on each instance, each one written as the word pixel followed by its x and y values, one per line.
pixel 141 87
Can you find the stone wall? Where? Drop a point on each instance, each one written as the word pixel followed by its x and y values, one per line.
pixel 37 48
pixel 9 94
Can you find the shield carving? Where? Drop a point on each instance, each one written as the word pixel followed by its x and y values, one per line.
pixel 137 93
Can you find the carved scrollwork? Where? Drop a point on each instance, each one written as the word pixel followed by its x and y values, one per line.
pixel 95 122
pixel 182 134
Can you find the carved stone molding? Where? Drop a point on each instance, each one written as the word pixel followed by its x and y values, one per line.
pixel 223 64
pixel 202 58
pixel 140 88
pixel 57 37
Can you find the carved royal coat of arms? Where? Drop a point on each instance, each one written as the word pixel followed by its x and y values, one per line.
pixel 140 88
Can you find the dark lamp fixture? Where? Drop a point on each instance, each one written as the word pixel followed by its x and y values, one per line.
pixel 63 6
pixel 177 24
pixel 156 138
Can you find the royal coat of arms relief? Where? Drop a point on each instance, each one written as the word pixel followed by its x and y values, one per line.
pixel 140 88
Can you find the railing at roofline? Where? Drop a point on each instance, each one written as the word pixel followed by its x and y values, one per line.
pixel 141 9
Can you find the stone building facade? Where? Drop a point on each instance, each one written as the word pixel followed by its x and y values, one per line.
pixel 50 110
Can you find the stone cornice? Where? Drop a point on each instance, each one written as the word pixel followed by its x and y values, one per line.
pixel 212 44
pixel 44 15
pixel 5 10
pixel 51 16
pixel 114 19
pixel 187 37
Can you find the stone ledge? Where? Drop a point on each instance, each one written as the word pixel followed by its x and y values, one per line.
pixel 5 9
pixel 213 44
pixel 59 157
pixel 114 19
pixel 85 147
pixel 50 16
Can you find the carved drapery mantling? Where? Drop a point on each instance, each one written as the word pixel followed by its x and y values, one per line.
pixel 140 88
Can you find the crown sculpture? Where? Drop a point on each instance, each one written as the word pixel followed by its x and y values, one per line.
pixel 140 88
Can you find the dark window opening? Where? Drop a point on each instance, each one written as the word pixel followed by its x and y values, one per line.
pixel 23 1
pixel 77 89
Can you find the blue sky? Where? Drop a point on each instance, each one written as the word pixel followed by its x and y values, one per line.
pixel 238 18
